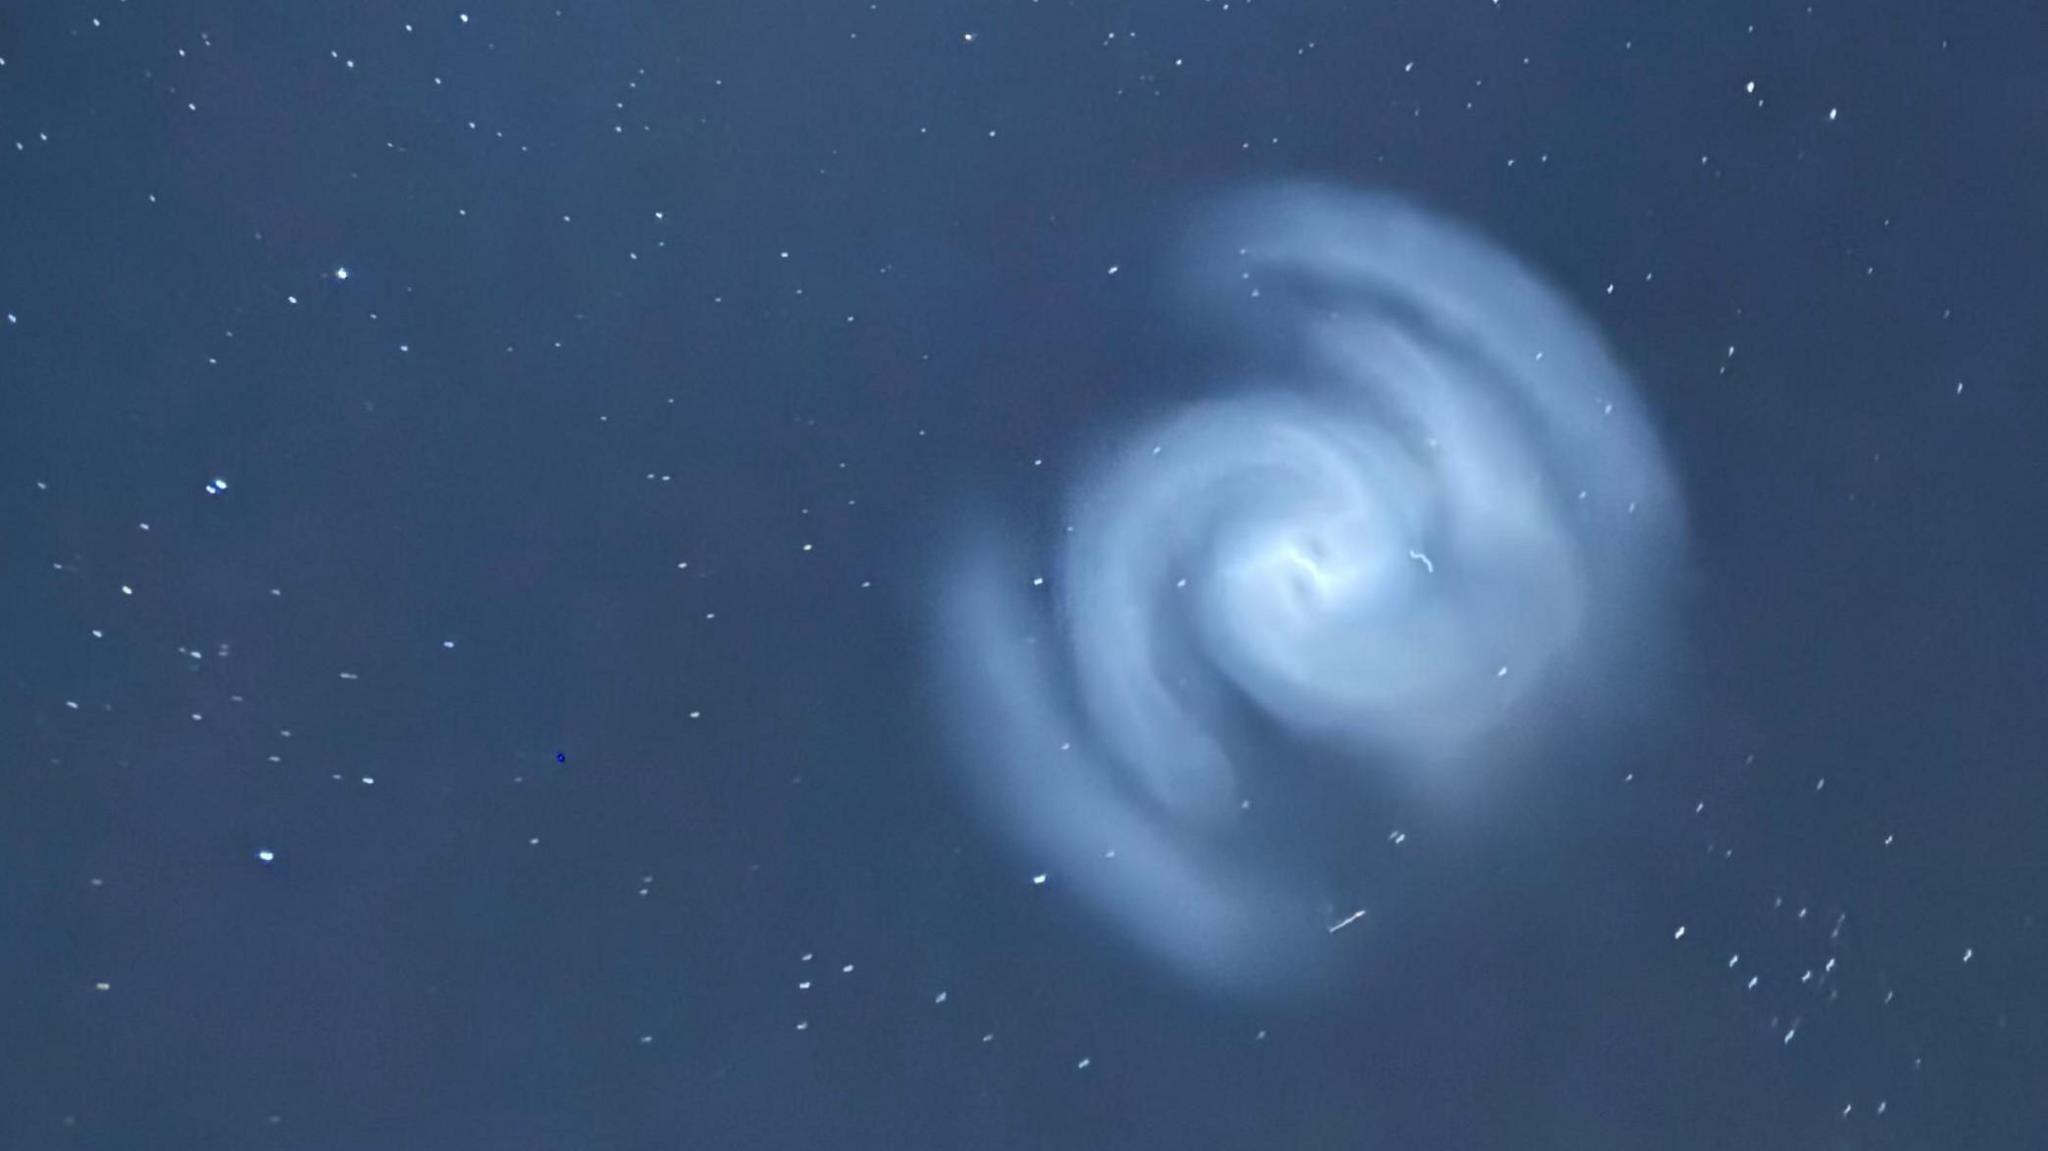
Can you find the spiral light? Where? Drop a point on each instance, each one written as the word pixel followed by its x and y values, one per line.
pixel 1423 533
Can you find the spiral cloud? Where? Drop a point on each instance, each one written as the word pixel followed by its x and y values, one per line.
pixel 1417 538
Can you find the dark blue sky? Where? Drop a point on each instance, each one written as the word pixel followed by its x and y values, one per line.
pixel 608 381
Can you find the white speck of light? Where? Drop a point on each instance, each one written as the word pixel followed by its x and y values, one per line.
pixel 265 855
pixel 1679 934
pixel 1038 880
pixel 341 273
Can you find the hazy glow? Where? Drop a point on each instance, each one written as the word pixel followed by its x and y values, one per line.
pixel 1430 519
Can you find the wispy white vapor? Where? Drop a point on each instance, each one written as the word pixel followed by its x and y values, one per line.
pixel 1420 532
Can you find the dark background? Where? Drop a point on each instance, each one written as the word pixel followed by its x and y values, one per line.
pixel 637 285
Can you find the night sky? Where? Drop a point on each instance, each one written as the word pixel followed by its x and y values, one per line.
pixel 490 653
